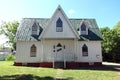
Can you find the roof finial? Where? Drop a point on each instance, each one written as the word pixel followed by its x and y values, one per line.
pixel 59 7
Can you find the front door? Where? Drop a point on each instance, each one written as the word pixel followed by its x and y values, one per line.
pixel 59 56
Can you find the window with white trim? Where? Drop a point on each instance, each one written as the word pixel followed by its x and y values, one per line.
pixel 59 25
pixel 33 51
pixel 34 29
pixel 83 29
pixel 84 50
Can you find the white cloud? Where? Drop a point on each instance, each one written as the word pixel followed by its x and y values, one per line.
pixel 71 11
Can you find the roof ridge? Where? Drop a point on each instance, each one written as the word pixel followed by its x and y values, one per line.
pixel 35 18
pixel 68 18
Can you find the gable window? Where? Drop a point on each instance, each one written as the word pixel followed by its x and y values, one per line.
pixel 59 25
pixel 84 50
pixel 33 51
pixel 34 29
pixel 83 29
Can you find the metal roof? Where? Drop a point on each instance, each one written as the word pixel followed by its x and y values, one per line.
pixel 24 31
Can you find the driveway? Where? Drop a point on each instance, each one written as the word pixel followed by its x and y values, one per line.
pixel 113 65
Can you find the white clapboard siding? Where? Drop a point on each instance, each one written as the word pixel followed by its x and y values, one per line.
pixel 94 51
pixel 23 51
pixel 48 49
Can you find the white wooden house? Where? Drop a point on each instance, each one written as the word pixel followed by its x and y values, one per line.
pixel 58 42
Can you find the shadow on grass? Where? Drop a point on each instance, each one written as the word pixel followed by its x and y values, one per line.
pixel 100 68
pixel 30 77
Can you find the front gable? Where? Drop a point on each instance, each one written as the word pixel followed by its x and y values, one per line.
pixel 59 26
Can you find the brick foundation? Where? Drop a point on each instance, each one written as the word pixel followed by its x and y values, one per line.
pixel 46 64
pixel 68 64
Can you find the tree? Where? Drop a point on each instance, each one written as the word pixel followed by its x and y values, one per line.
pixel 111 43
pixel 9 30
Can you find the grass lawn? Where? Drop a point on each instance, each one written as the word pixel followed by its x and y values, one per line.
pixel 10 72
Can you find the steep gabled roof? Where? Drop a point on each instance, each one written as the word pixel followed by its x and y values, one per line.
pixel 24 30
pixel 93 30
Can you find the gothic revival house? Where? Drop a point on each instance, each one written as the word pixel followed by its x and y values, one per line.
pixel 58 42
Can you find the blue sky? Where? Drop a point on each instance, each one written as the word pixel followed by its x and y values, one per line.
pixel 106 12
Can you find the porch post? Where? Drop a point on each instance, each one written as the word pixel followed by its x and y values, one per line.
pixel 64 57
pixel 64 61
pixel 54 52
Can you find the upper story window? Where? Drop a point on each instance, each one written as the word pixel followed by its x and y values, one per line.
pixel 83 29
pixel 34 29
pixel 84 50
pixel 33 50
pixel 59 25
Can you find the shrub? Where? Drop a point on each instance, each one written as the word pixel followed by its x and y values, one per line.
pixel 10 57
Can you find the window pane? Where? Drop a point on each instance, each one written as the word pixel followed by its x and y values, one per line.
pixel 59 25
pixel 34 28
pixel 85 50
pixel 83 27
pixel 33 51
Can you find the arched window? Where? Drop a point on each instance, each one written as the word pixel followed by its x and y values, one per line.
pixel 33 51
pixel 59 25
pixel 34 29
pixel 83 29
pixel 84 50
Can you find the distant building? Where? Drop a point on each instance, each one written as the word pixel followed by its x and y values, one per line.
pixel 58 42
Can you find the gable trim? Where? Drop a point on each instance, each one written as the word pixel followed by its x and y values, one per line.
pixel 46 28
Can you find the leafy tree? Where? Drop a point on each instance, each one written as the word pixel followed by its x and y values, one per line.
pixel 105 34
pixel 111 43
pixel 9 30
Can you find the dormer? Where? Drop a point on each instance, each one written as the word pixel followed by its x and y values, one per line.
pixel 83 28
pixel 35 28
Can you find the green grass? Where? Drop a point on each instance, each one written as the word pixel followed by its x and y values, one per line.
pixel 10 72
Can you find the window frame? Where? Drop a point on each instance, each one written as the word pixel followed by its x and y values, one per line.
pixel 85 50
pixel 33 50
pixel 34 28
pixel 83 31
pixel 59 25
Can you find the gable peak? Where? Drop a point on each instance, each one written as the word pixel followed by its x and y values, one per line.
pixel 59 7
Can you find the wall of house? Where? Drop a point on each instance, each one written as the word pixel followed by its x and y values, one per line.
pixel 49 53
pixel 23 51
pixel 94 51
pixel 72 53
pixel 45 50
